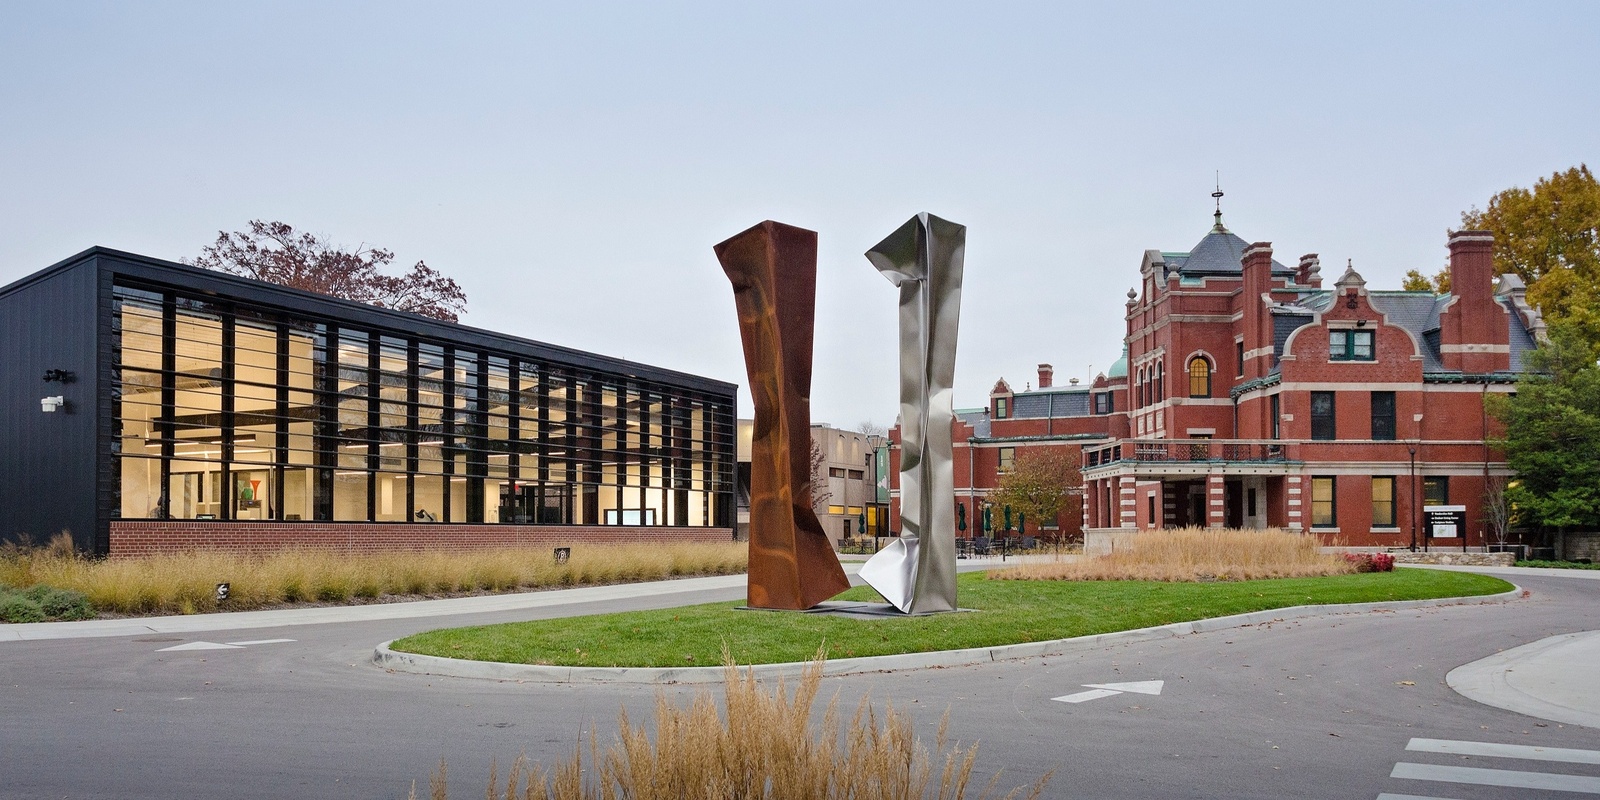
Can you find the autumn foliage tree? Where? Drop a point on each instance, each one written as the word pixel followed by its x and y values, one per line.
pixel 1041 484
pixel 275 252
pixel 1550 236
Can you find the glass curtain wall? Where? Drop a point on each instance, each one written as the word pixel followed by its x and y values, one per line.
pixel 223 411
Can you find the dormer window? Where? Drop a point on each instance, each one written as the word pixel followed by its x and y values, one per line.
pixel 1000 408
pixel 1348 345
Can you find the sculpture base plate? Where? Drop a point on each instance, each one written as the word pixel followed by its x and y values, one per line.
pixel 858 610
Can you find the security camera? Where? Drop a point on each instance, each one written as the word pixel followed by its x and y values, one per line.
pixel 50 404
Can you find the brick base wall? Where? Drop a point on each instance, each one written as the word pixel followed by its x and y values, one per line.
pixel 167 536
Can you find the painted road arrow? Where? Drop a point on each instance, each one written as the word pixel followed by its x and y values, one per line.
pixel 219 645
pixel 1099 690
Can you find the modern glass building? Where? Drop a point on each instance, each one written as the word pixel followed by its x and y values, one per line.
pixel 194 395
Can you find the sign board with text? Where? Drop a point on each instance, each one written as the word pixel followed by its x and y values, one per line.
pixel 1445 522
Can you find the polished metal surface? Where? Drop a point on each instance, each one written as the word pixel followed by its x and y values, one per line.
pixel 773 268
pixel 924 258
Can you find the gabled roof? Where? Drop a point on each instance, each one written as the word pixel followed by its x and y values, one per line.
pixel 1417 312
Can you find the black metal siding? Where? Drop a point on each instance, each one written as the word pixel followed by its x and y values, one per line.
pixel 48 461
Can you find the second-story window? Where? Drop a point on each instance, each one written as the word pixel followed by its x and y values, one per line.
pixel 1383 416
pixel 1323 426
pixel 1238 358
pixel 1199 377
pixel 1161 386
pixel 1008 457
pixel 1277 416
pixel 1345 345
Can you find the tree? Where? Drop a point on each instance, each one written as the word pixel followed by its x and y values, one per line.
pixel 1042 482
pixel 1550 236
pixel 275 252
pixel 1552 434
pixel 819 476
pixel 1417 282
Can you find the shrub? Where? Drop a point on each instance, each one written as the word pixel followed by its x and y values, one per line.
pixel 1371 562
pixel 16 607
pixel 61 604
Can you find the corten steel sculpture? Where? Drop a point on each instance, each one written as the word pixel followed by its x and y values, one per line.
pixel 917 572
pixel 773 268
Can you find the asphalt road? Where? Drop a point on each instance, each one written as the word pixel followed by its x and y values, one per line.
pixel 1322 707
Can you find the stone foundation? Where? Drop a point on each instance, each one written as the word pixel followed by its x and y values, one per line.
pixel 1454 558
pixel 168 536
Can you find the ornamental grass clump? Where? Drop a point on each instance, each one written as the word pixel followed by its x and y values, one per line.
pixel 763 745
pixel 1195 554
pixel 186 582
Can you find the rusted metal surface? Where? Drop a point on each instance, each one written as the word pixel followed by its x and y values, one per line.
pixel 773 268
pixel 924 258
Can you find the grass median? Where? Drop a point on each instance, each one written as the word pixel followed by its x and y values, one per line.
pixel 1006 612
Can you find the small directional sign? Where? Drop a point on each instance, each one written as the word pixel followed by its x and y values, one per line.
pixel 1099 690
pixel 219 645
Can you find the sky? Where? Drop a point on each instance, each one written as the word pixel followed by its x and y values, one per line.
pixel 571 165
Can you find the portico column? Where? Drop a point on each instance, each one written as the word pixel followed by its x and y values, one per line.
pixel 1293 487
pixel 1127 502
pixel 1091 503
pixel 1214 497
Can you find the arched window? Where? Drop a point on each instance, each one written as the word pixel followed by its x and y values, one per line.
pixel 1199 377
pixel 1161 381
pixel 1139 395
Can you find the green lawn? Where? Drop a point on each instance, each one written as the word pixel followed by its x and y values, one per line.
pixel 1008 612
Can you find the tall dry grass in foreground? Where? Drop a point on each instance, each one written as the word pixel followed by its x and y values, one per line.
pixel 1195 554
pixel 764 746
pixel 185 583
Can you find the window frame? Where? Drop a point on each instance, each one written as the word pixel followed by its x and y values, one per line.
pixel 1005 459
pixel 1204 374
pixel 1392 520
pixel 1324 427
pixel 1331 503
pixel 1383 423
pixel 1349 348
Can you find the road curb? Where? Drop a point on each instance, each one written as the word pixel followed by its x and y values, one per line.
pixel 396 661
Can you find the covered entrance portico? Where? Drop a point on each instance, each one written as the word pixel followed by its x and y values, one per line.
pixel 1149 483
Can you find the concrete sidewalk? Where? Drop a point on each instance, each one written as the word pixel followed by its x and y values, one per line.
pixel 1550 679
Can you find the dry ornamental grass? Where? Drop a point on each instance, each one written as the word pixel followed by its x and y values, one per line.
pixel 1195 554
pixel 764 746
pixel 186 582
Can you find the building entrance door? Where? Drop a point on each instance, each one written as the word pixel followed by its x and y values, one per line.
pixel 1233 504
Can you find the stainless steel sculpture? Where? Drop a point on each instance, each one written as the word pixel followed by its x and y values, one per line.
pixel 917 572
pixel 773 268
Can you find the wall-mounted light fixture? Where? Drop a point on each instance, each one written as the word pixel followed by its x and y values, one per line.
pixel 50 404
pixel 1361 323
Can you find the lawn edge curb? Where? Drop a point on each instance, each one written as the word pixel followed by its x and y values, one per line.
pixel 395 661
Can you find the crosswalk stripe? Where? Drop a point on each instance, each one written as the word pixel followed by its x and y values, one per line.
pixel 1510 778
pixel 1493 750
pixel 1388 796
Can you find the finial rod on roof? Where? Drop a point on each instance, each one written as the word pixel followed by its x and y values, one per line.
pixel 1218 227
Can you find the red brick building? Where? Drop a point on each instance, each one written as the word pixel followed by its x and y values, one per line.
pixel 1251 396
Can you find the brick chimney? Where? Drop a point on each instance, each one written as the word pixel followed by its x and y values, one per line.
pixel 1256 267
pixel 1473 329
pixel 1046 374
pixel 1309 273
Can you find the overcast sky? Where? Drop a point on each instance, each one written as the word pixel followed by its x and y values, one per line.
pixel 572 164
